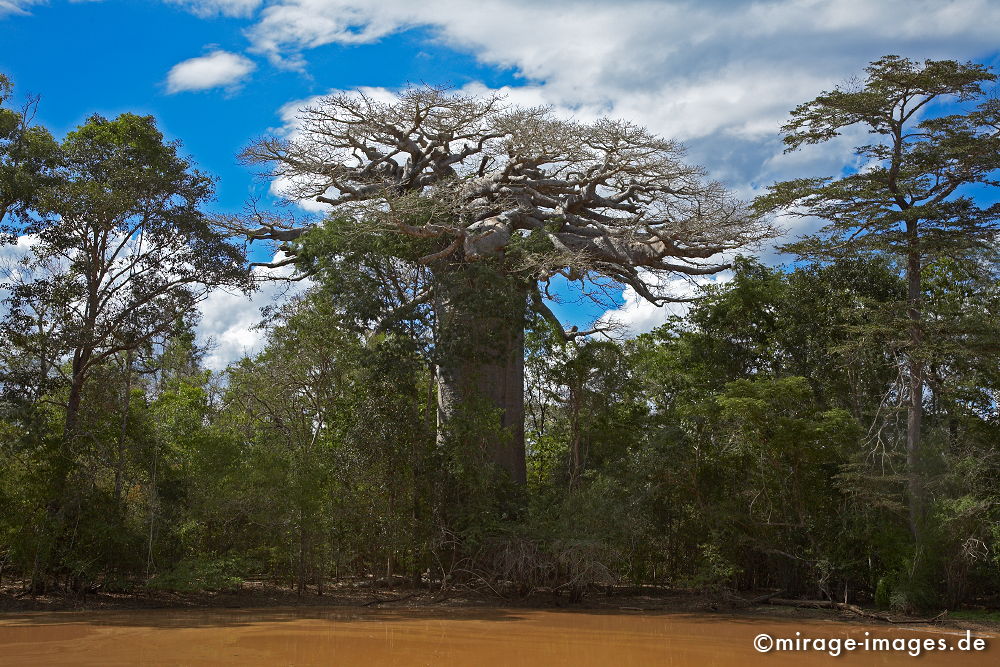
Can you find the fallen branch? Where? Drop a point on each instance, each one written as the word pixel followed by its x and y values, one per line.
pixel 482 579
pixel 854 609
pixel 766 597
pixel 396 599
pixel 761 599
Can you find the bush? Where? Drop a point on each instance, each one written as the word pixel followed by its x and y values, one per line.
pixel 194 575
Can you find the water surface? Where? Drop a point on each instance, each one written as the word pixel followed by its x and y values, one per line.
pixel 462 636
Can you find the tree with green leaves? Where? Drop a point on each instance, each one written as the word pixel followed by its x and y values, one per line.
pixel 27 155
pixel 936 137
pixel 760 399
pixel 121 250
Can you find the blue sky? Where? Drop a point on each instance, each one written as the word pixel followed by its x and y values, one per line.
pixel 719 75
pixel 114 56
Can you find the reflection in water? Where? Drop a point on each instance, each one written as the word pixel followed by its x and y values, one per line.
pixel 441 637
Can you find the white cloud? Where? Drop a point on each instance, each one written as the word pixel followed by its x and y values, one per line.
pixel 216 7
pixel 215 70
pixel 11 268
pixel 21 6
pixel 720 75
pixel 726 72
pixel 17 6
pixel 18 250
pixel 228 319
pixel 637 315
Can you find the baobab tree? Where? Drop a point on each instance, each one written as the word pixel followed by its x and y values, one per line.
pixel 503 199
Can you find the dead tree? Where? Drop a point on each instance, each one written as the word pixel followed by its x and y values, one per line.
pixel 528 195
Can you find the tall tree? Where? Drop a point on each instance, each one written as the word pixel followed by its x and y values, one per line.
pixel 912 198
pixel 122 247
pixel 501 199
pixel 120 250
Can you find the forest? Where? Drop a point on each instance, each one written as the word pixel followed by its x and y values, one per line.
pixel 418 416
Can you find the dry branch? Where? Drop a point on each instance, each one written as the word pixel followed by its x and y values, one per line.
pixel 854 609
pixel 609 197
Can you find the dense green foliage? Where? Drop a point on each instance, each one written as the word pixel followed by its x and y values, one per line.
pixel 913 200
pixel 758 442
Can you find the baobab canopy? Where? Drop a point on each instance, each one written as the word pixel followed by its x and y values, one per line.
pixel 609 197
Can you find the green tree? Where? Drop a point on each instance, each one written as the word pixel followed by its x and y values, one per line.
pixel 27 155
pixel 912 197
pixel 123 248
pixel 761 400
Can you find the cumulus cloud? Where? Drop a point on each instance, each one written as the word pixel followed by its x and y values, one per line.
pixel 12 270
pixel 229 320
pixel 719 75
pixel 21 6
pixel 218 69
pixel 586 48
pixel 18 250
pixel 637 315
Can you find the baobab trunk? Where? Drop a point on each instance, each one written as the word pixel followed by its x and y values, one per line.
pixel 480 372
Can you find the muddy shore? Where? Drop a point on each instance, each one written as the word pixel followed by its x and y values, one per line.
pixel 259 595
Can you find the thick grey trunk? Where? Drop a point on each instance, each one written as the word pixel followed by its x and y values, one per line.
pixel 480 374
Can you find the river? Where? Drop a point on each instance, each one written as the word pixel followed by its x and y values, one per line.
pixel 457 636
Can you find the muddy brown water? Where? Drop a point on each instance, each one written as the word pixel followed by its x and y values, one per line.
pixel 462 636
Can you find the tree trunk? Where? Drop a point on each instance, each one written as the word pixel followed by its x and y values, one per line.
pixel 915 387
pixel 301 569
pixel 576 461
pixel 481 364
pixel 120 453
pixel 73 410
pixel 50 533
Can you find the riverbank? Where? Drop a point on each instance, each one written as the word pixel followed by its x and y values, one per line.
pixel 481 635
pixel 260 595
